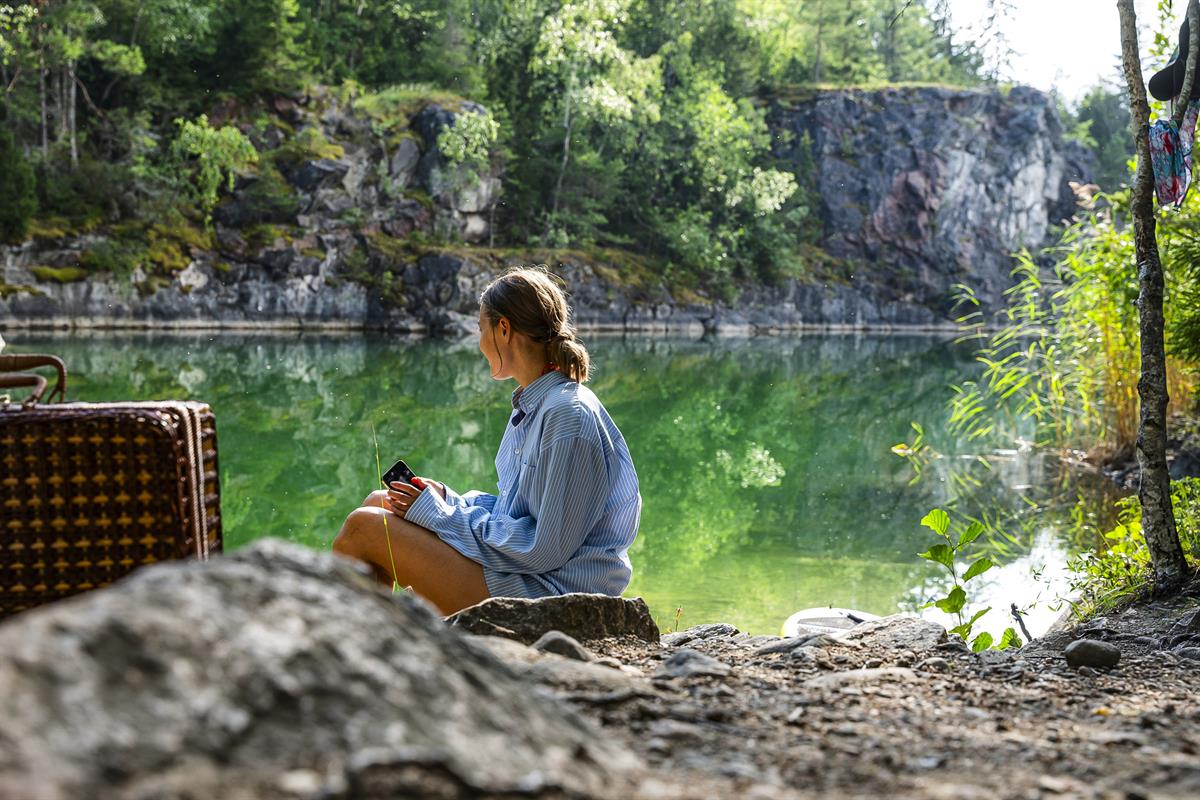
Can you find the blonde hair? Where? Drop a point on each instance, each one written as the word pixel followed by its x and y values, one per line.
pixel 536 306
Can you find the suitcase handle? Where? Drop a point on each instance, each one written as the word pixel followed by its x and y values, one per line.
pixel 32 361
pixel 23 379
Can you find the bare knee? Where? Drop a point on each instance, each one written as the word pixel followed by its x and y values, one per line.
pixel 352 538
pixel 375 499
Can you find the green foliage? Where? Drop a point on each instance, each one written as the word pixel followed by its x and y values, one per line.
pixel 270 198
pixel 1180 245
pixel 377 44
pixel 1120 568
pixel 308 143
pixel 1066 358
pixel 17 188
pixel 823 42
pixel 467 144
pixel 59 274
pixel 160 249
pixel 212 156
pixel 1103 116
pixel 118 257
pixel 81 196
pixel 946 554
pixel 393 106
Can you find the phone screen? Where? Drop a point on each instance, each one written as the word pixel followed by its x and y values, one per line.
pixel 398 472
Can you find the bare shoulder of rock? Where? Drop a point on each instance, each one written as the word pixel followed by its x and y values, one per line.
pixel 235 678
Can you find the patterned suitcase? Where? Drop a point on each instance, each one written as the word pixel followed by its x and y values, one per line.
pixel 91 491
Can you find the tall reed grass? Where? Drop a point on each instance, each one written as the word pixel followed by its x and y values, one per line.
pixel 1066 354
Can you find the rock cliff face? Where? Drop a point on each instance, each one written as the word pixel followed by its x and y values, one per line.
pixel 917 190
pixel 923 188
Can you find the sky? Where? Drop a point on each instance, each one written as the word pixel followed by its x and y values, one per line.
pixel 1070 45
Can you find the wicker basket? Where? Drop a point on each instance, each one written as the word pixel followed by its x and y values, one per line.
pixel 91 491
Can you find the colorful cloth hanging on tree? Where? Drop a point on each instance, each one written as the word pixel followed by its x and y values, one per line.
pixel 1171 156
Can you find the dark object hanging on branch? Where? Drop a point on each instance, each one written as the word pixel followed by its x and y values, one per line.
pixel 1167 83
pixel 1154 491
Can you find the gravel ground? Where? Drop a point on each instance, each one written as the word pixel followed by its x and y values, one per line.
pixel 882 719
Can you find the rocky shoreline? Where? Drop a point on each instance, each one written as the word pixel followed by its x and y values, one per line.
pixel 281 672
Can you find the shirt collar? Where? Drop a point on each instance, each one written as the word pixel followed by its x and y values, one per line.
pixel 528 398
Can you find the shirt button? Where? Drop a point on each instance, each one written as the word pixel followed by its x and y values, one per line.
pixel 518 451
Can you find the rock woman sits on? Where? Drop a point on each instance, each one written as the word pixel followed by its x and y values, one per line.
pixel 568 503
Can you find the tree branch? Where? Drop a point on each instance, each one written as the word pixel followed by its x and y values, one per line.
pixel 86 97
pixel 1189 73
pixel 899 14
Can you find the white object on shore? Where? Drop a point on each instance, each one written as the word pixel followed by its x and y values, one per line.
pixel 826 619
pixel 1 343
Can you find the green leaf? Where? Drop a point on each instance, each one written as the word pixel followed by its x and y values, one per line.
pixel 941 553
pixel 978 568
pixel 964 630
pixel 982 642
pixel 953 602
pixel 937 521
pixel 1009 639
pixel 971 533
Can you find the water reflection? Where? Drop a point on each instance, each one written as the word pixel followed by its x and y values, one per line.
pixel 765 464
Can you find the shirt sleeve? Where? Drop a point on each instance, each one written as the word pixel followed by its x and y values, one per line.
pixel 471 498
pixel 574 487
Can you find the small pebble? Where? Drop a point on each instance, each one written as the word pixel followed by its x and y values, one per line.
pixel 1092 653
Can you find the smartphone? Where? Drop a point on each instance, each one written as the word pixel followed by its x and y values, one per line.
pixel 398 472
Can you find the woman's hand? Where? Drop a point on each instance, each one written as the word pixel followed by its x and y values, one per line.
pixel 401 496
pixel 438 487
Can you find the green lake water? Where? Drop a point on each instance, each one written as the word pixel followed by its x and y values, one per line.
pixel 765 465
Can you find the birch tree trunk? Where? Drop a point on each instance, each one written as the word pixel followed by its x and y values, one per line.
pixel 42 99
pixel 71 115
pixel 62 104
pixel 568 121
pixel 1154 491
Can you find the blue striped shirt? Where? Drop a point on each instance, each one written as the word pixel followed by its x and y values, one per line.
pixel 568 506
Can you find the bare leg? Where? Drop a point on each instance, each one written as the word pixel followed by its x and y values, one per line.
pixel 433 569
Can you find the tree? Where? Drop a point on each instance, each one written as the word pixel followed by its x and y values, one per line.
pixel 592 78
pixel 1105 113
pixel 17 189
pixel 1154 491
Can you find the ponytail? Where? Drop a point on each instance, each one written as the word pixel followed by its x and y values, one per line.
pixel 570 356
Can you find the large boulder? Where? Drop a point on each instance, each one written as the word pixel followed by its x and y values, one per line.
pixel 276 672
pixel 586 617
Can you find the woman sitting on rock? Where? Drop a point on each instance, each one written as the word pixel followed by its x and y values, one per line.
pixel 568 505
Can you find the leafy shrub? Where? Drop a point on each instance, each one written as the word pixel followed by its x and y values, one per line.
pixel 211 156
pixel 118 257
pixel 1121 569
pixel 82 195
